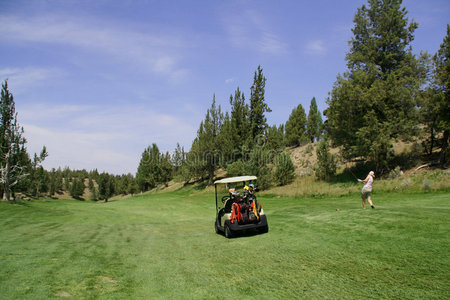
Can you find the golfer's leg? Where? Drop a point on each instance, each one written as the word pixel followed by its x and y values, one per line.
pixel 370 201
pixel 364 203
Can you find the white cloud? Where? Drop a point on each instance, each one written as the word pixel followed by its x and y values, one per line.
pixel 158 52
pixel 315 47
pixel 250 30
pixel 230 80
pixel 78 150
pixel 110 139
pixel 21 79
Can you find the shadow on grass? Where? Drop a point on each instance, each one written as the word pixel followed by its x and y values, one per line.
pixel 350 175
pixel 25 203
pixel 193 186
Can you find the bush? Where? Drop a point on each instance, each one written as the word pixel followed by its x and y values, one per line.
pixel 395 173
pixel 326 162
pixel 258 164
pixel 284 172
pixel 236 169
pixel 427 184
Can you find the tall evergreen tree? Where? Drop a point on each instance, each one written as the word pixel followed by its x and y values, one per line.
pixel 166 169
pixel 275 139
pixel 105 186
pixel 144 176
pixel 296 127
pixel 230 148
pixel 207 144
pixel 39 180
pixel 438 104
pixel 240 122
pixel 154 168
pixel 178 158
pixel 314 123
pixel 12 144
pixel 375 102
pixel 92 189
pixel 258 106
pixel 77 188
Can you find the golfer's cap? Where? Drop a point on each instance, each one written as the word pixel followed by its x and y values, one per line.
pixel 372 173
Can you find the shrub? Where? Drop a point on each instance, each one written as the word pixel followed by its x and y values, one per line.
pixel 326 162
pixel 309 149
pixel 258 164
pixel 236 169
pixel 395 173
pixel 406 183
pixel 427 185
pixel 284 172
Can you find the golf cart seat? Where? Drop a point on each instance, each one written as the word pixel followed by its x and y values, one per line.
pixel 229 203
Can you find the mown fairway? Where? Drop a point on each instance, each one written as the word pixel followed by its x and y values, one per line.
pixel 163 246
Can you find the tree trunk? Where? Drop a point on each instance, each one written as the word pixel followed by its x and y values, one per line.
pixel 6 187
pixel 444 148
pixel 431 139
pixel 6 195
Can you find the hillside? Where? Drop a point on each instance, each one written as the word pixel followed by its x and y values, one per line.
pixel 305 183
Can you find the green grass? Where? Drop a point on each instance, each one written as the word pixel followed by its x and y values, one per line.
pixel 162 246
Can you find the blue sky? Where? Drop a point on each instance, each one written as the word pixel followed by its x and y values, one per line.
pixel 99 81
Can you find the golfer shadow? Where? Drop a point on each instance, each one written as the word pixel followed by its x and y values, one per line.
pixel 350 175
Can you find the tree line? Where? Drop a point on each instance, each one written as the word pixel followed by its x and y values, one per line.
pixel 387 94
pixel 22 175
pixel 239 141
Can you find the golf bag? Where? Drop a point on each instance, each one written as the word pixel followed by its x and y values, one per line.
pixel 245 212
pixel 236 213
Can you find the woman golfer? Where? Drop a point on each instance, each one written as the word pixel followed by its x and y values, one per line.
pixel 367 189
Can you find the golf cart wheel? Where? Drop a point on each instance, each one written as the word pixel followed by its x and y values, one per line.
pixel 216 228
pixel 228 232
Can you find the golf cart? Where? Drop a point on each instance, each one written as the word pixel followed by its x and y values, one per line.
pixel 238 211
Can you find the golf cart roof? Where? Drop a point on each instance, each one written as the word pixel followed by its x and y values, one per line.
pixel 235 179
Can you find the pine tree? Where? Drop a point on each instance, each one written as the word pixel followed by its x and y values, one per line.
pixel 12 145
pixel 132 186
pixel 105 186
pixel 275 139
pixel 326 162
pixel 230 150
pixel 77 188
pixel 314 123
pixel 147 169
pixel 92 189
pixel 166 169
pixel 178 158
pixel 258 164
pixel 39 181
pixel 154 168
pixel 375 102
pixel 206 147
pixel 296 127
pixel 258 107
pixel 284 173
pixel 438 104
pixel 240 123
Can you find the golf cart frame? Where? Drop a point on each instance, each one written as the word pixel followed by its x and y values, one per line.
pixel 226 207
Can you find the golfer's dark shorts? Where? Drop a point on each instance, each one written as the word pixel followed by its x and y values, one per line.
pixel 366 193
